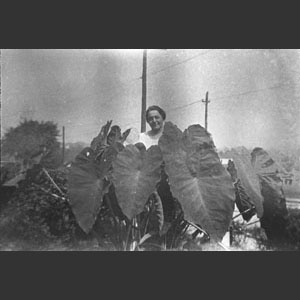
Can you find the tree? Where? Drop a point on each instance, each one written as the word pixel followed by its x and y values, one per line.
pixel 31 140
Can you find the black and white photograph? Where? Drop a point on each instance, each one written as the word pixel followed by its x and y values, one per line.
pixel 150 150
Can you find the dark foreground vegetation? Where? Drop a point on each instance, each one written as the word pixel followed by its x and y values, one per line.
pixel 87 206
pixel 37 216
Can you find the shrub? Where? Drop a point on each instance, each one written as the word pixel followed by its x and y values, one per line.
pixel 34 215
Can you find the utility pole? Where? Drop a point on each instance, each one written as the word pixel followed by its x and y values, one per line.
pixel 63 144
pixel 206 108
pixel 144 92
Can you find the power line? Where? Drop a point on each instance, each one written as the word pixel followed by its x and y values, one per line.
pixel 183 106
pixel 217 98
pixel 252 92
pixel 180 63
pixel 131 80
pixel 152 60
pixel 228 96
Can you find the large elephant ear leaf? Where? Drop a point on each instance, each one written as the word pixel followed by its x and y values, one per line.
pixel 101 139
pixel 197 178
pixel 271 184
pixel 248 177
pixel 262 162
pixel 87 185
pixel 135 175
pixel 125 135
pixel 197 135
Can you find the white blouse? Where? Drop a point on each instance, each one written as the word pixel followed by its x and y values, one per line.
pixel 149 140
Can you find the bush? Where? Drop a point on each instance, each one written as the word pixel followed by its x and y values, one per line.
pixel 36 216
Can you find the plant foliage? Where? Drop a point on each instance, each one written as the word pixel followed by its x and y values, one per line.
pixel 28 139
pixel 37 212
pixel 89 177
pixel 274 219
pixel 86 188
pixel 135 175
pixel 248 177
pixel 197 178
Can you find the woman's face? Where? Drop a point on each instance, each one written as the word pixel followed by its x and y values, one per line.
pixel 155 120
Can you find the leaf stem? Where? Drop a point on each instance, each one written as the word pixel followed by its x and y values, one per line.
pixel 197 227
pixel 53 182
pixel 47 192
pixel 252 223
pixel 247 210
pixel 128 234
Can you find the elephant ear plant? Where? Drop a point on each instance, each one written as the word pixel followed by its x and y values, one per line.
pixel 127 178
pixel 275 212
pixel 109 175
pixel 89 175
pixel 197 178
pixel 136 173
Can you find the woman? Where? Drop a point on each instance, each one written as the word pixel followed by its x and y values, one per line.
pixel 155 117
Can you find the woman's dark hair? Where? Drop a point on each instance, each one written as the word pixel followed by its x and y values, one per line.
pixel 155 107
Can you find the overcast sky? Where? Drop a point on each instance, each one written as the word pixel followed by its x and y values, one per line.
pixel 254 94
